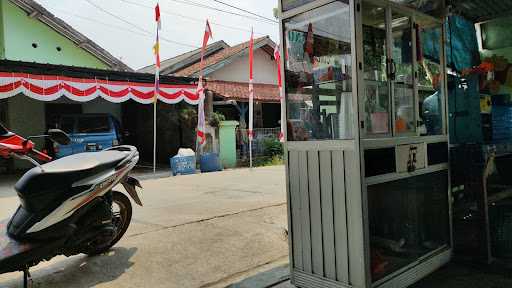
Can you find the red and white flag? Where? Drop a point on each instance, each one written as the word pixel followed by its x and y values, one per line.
pixel 201 125
pixel 277 57
pixel 157 16
pixel 207 35
pixel 251 88
pixel 156 51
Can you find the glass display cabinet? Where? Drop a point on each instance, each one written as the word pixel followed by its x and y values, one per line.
pixel 367 146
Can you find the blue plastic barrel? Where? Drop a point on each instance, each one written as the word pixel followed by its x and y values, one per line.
pixel 210 162
pixel 183 165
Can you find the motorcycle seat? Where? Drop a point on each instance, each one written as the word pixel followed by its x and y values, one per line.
pixel 84 162
pixel 39 186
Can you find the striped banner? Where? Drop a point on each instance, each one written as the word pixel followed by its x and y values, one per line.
pixel 50 88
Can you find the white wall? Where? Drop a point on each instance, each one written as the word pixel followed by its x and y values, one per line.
pixel 265 69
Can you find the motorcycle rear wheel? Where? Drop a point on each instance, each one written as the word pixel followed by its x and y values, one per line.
pixel 121 221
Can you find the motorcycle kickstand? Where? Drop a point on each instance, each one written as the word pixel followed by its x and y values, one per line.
pixel 27 278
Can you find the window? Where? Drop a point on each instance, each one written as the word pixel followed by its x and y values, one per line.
pixel 318 74
pixel 407 220
pixel 376 87
pixel 93 125
pixel 402 67
pixel 430 80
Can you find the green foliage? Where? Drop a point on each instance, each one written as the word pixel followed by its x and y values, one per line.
pixel 188 116
pixel 272 147
pixel 272 153
pixel 216 118
pixel 268 161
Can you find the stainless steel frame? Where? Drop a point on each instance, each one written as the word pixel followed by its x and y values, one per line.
pixel 300 153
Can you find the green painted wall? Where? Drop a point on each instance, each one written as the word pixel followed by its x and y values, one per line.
pixel 1 31
pixel 227 140
pixel 20 31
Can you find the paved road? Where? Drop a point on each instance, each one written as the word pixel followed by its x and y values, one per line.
pixel 203 230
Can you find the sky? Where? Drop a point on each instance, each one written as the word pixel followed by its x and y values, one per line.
pixel 131 38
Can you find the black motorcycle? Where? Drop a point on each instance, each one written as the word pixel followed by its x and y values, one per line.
pixel 67 205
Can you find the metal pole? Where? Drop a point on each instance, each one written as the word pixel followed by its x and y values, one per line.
pixel 154 135
pixel 250 152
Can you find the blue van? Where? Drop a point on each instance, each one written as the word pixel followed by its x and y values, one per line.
pixel 88 133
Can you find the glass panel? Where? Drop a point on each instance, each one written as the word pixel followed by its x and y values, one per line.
pixel 376 89
pixel 318 73
pixel 408 219
pixel 403 74
pixel 429 81
pixel 290 4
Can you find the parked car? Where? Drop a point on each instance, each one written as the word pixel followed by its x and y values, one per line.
pixel 88 133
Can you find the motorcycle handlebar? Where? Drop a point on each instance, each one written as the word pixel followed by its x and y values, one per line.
pixel 17 145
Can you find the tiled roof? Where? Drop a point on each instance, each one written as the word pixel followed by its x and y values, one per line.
pixel 170 65
pixel 240 91
pixel 218 57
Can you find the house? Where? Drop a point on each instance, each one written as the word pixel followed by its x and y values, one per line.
pixel 30 33
pixel 33 40
pixel 226 70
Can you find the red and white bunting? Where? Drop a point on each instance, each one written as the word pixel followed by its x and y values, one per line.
pixel 50 88
pixel 277 57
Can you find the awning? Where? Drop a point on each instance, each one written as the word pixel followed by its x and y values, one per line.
pixel 50 88
pixel 47 82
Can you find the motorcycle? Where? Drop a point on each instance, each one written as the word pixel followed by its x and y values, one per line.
pixel 67 206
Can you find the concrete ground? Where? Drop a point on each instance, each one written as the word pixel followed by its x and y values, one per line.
pixel 204 230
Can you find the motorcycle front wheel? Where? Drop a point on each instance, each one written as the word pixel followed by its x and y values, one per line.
pixel 122 216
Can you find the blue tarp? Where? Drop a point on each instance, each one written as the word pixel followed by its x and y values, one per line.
pixel 461 45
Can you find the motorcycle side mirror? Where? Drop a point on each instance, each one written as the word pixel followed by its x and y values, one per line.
pixel 59 136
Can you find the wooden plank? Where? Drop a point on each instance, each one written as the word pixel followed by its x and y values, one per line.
pixel 305 221
pixel 356 241
pixel 296 208
pixel 340 217
pixel 327 214
pixel 316 214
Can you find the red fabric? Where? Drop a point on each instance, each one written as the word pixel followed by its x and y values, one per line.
pixel 35 86
pixel 201 124
pixel 277 56
pixel 207 35
pixel 157 13
pixel 201 136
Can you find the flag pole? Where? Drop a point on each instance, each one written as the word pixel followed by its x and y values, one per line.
pixel 251 96
pixel 156 51
pixel 154 135
pixel 201 126
pixel 277 57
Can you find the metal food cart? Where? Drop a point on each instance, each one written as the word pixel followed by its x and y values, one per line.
pixel 367 145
